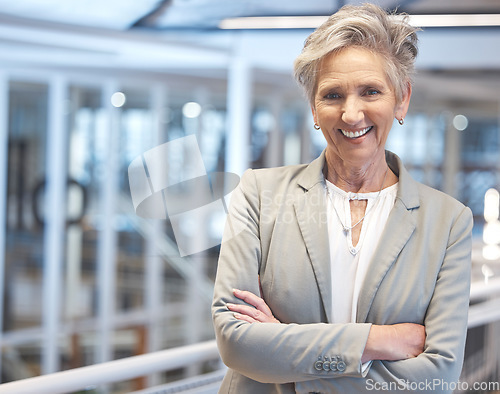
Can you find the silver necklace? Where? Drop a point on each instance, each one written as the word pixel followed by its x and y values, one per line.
pixel 355 197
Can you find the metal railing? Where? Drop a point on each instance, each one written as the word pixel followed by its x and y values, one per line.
pixel 488 310
pixel 481 289
pixel 114 371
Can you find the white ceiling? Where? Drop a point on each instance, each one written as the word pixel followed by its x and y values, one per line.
pixel 119 15
pixel 203 14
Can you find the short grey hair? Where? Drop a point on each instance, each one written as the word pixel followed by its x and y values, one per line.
pixel 367 26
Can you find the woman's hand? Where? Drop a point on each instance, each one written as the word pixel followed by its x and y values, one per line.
pixel 259 313
pixel 394 342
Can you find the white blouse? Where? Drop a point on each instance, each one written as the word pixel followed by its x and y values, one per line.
pixel 349 263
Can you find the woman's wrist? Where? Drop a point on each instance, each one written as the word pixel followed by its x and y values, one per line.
pixel 374 348
pixel 394 342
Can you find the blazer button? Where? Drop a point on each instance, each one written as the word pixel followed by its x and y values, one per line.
pixel 326 366
pixel 341 366
pixel 318 365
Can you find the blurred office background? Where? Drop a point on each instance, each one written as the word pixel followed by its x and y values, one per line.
pixel 88 86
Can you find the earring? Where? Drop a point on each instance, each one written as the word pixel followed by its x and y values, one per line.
pixel 316 126
pixel 401 121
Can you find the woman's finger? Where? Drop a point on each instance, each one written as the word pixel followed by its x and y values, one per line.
pixel 247 296
pixel 261 308
pixel 254 300
pixel 249 311
pixel 250 314
pixel 245 318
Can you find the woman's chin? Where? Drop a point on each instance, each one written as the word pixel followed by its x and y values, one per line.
pixel 359 155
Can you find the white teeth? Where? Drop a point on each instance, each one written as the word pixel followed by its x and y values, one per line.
pixel 356 134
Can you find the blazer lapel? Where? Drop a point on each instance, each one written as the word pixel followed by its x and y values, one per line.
pixel 398 230
pixel 310 210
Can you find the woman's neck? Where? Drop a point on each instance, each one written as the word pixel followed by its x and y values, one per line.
pixel 364 178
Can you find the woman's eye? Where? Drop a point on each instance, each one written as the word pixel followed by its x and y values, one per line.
pixel 332 96
pixel 372 92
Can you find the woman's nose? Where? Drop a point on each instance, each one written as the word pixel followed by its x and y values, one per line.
pixel 352 112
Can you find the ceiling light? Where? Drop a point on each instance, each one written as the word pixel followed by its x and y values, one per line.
pixel 312 22
pixel 460 122
pixel 118 99
pixel 465 20
pixel 191 110
pixel 273 22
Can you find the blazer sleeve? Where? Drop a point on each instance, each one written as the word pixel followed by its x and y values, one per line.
pixel 438 368
pixel 270 352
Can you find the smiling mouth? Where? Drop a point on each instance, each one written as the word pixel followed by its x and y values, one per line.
pixel 356 134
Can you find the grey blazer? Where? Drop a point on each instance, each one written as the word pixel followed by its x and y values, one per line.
pixel 420 273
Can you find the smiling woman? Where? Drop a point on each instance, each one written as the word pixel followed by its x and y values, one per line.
pixel 364 276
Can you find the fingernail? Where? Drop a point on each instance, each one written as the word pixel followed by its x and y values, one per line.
pixel 235 290
pixel 229 305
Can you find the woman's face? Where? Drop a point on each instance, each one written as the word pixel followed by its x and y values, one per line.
pixel 355 105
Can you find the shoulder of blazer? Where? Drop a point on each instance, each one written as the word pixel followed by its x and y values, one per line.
pixel 304 175
pixel 414 194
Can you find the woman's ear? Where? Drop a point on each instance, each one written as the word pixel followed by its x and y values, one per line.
pixel 402 107
pixel 313 110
